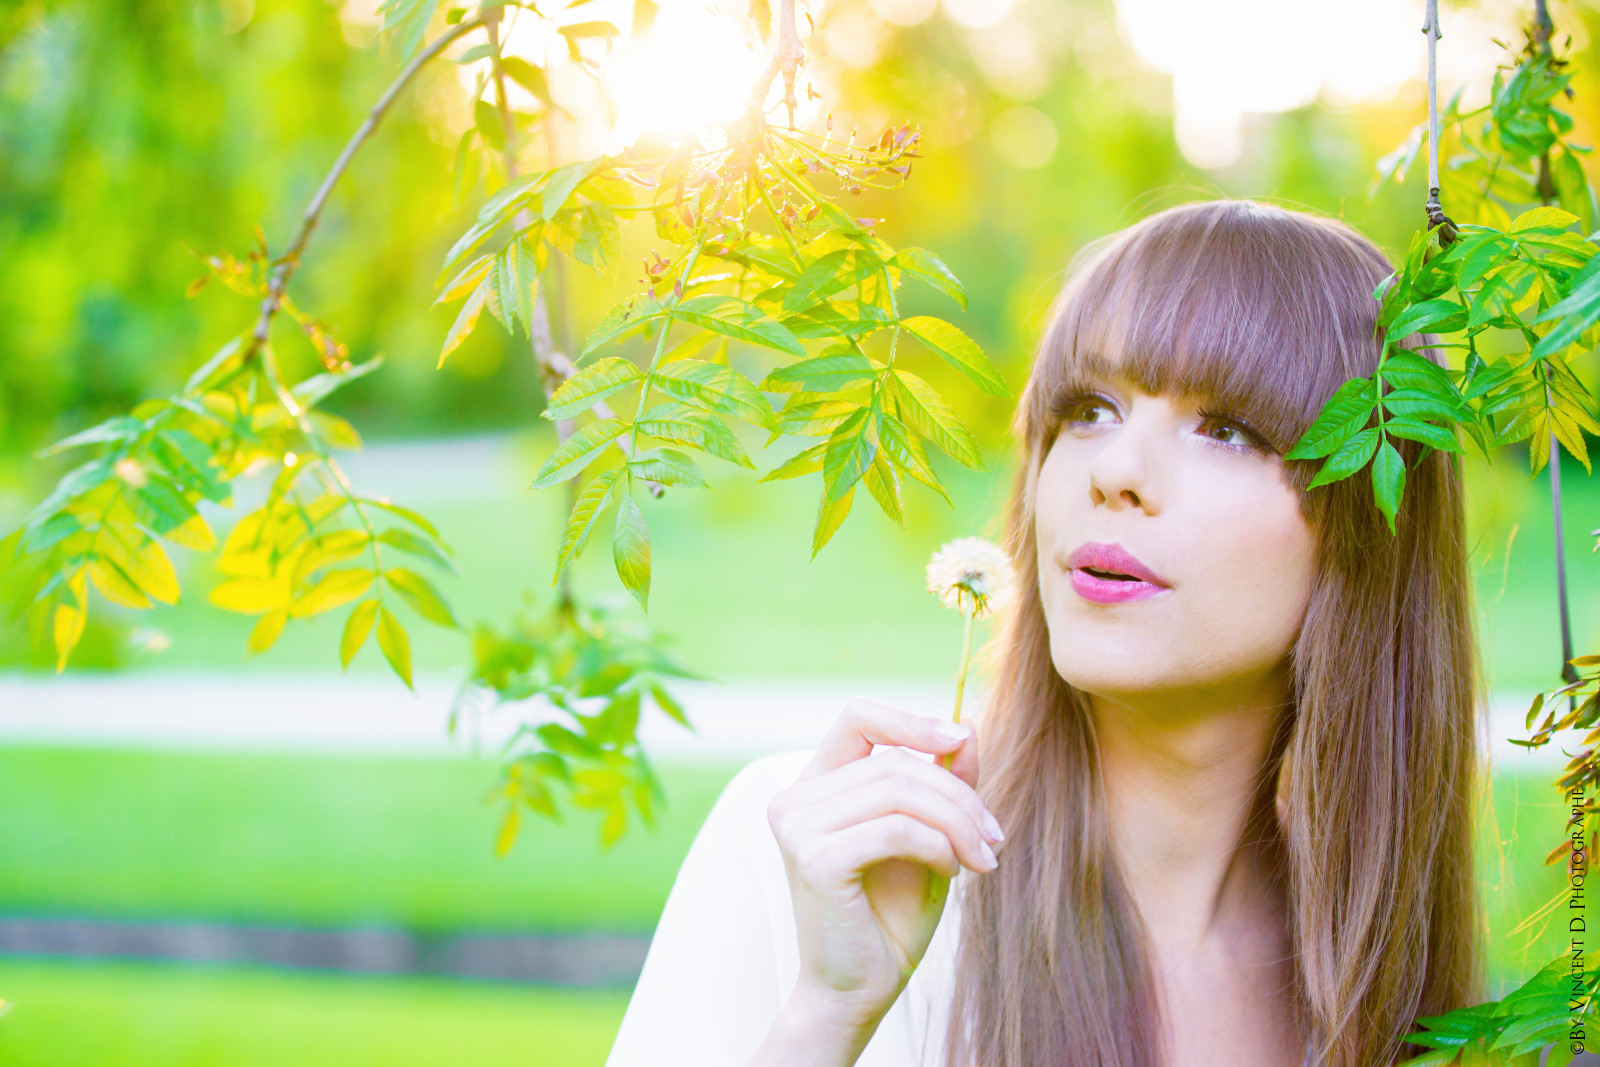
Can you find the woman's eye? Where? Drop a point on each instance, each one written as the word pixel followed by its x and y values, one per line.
pixel 1082 409
pixel 1243 438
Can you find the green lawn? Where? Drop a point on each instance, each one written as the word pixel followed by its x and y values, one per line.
pixel 70 1014
pixel 405 842
pixel 323 840
pixel 319 841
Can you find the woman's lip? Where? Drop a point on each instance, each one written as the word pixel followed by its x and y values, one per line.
pixel 1112 558
pixel 1110 590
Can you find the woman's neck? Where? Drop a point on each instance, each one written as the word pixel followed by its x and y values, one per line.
pixel 1184 804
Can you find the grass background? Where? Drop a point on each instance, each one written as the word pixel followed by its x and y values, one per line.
pixel 399 842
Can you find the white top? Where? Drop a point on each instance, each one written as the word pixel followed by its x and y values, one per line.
pixel 725 954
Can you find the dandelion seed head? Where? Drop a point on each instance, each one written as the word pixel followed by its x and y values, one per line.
pixel 971 575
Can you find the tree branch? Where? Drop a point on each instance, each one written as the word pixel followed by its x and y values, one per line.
pixel 554 366
pixel 1436 215
pixel 787 55
pixel 290 260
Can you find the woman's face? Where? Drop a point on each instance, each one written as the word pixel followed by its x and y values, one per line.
pixel 1203 504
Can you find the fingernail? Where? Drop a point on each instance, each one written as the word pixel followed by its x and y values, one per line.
pixel 991 827
pixel 950 733
pixel 988 856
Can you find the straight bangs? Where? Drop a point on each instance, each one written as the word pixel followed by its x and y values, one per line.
pixel 1230 303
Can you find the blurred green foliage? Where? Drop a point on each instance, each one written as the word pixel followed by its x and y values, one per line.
pixel 135 133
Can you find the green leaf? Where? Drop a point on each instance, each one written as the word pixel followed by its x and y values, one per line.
pixel 830 515
pixel 630 549
pixel 465 320
pixel 318 387
pixel 356 629
pixel 717 387
pixel 667 466
pixel 907 453
pixel 395 644
pixel 578 451
pixel 1388 481
pixel 929 268
pixel 590 385
pixel 883 482
pixel 1436 316
pixel 404 513
pixel 599 239
pixel 421 594
pixel 925 411
pixel 1425 432
pixel 1551 218
pixel 412 544
pixel 805 414
pixel 1577 312
pixel 562 181
pixel 1350 457
pixel 801 463
pixel 696 428
pixel 830 274
pixel 591 502
pixel 1422 402
pixel 1346 411
pixel 1407 370
pixel 823 374
pixel 851 450
pixel 959 350
pixel 623 320
pixel 117 428
pixel 738 319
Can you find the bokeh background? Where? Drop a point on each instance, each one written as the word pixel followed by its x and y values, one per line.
pixel 212 859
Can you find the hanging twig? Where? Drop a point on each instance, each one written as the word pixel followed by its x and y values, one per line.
pixel 290 260
pixel 1543 30
pixel 787 55
pixel 1436 215
pixel 554 366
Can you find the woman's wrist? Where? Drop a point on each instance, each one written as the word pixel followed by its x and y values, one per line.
pixel 817 1028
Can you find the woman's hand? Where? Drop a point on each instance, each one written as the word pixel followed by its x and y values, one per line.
pixel 871 841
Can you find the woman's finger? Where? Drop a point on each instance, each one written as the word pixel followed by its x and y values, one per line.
pixel 886 796
pixel 866 722
pixel 839 858
pixel 897 765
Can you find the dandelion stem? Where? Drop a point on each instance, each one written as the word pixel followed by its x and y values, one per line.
pixel 961 677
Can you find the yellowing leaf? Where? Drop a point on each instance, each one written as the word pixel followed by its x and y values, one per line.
pixel 630 549
pixel 356 629
pixel 68 628
pixel 465 321
pixel 153 571
pixel 193 533
pixel 395 645
pixel 251 596
pixel 508 831
pixel 421 595
pixel 333 590
pixel 115 586
pixel 268 629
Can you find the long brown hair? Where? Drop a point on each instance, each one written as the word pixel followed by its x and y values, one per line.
pixel 1268 310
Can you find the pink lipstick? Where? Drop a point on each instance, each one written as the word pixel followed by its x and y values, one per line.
pixel 1110 574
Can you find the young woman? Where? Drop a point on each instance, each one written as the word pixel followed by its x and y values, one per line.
pixel 1229 758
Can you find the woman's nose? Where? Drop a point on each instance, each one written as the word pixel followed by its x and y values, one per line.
pixel 1125 470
